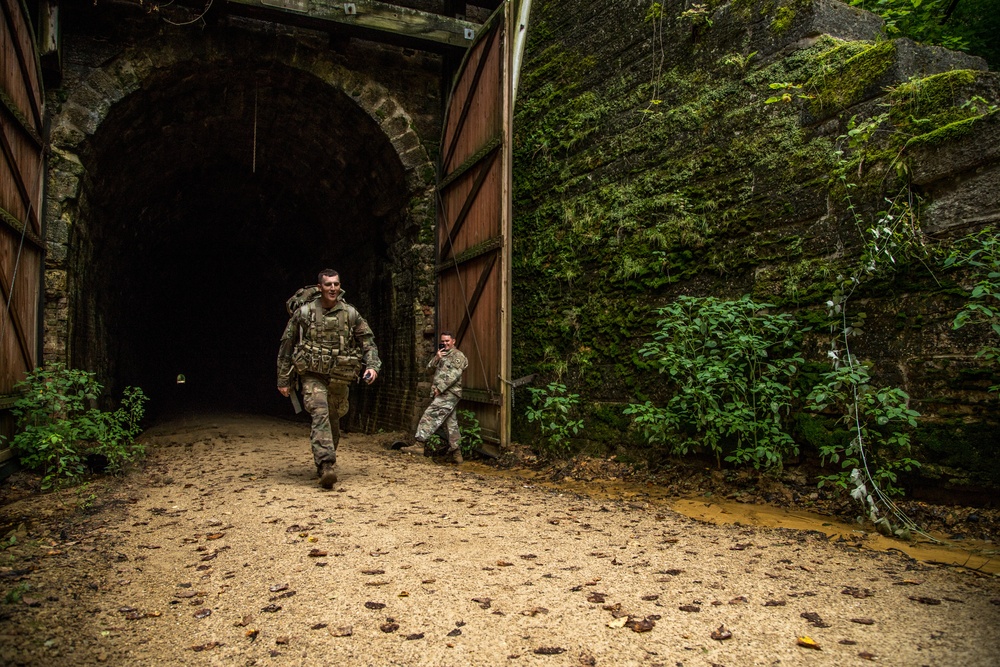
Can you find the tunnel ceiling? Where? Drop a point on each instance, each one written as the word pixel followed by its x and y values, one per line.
pixel 210 194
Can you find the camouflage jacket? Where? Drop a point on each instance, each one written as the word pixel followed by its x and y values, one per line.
pixel 339 331
pixel 448 371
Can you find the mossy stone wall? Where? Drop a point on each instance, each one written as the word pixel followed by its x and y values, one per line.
pixel 648 165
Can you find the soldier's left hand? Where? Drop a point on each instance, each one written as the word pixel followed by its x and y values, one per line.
pixel 370 375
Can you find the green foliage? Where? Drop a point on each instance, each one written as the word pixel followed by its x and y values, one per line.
pixel 966 25
pixel 472 433
pixel 983 306
pixel 15 594
pixel 57 429
pixel 552 408
pixel 730 365
pixel 878 423
pixel 698 14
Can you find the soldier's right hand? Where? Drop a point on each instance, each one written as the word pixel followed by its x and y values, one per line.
pixel 284 391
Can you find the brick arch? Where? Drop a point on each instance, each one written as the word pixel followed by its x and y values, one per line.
pixel 84 107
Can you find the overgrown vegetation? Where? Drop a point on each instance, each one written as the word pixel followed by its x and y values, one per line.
pixel 553 408
pixel 963 25
pixel 677 178
pixel 983 307
pixel 730 366
pixel 60 434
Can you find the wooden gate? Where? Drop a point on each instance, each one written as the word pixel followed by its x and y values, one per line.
pixel 22 248
pixel 473 224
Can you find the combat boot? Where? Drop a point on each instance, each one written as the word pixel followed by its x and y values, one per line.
pixel 414 449
pixel 456 453
pixel 327 476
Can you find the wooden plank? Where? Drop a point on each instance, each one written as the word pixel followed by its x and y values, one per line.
pixel 15 318
pixel 371 20
pixel 22 57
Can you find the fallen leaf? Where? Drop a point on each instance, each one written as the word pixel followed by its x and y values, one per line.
pixel 739 599
pixel 923 600
pixel 859 593
pixel 618 622
pixel 318 626
pixel 597 598
pixel 721 634
pixel 282 640
pixel 277 588
pixel 415 635
pixel 775 603
pixel 271 608
pixel 484 603
pixel 203 613
pixel 316 553
pixel 645 625
pixel 252 634
pixel 454 633
pixel 372 571
pixel 205 647
pixel 342 631
pixel 549 650
pixel 907 582
pixel 689 607
pixel 244 622
pixel 808 642
pixel 534 611
pixel 389 627
pixel 215 536
pixel 650 598
pixel 865 655
pixel 375 605
pixel 503 563
pixel 863 621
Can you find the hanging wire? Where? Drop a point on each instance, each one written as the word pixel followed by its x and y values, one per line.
pixel 195 19
pixel 901 516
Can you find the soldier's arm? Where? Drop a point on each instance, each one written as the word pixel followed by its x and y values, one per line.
pixel 366 340
pixel 285 349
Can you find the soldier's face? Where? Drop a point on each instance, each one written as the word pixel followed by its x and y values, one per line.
pixel 448 342
pixel 330 288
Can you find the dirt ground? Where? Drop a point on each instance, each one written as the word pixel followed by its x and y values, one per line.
pixel 223 550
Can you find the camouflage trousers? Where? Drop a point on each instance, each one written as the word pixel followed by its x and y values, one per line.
pixel 326 401
pixel 440 411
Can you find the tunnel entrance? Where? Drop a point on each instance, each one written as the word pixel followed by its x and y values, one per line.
pixel 210 195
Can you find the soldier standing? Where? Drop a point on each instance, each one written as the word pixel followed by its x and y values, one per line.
pixel 325 342
pixel 449 363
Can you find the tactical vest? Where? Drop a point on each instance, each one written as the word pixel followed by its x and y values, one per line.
pixel 326 342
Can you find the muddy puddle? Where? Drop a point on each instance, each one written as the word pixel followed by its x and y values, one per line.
pixel 972 554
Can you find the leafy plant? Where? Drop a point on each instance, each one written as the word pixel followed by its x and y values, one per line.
pixel 878 420
pixel 472 433
pixel 57 429
pixel 552 408
pixel 983 306
pixel 730 366
pixel 15 594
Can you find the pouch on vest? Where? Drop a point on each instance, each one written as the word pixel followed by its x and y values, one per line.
pixel 346 369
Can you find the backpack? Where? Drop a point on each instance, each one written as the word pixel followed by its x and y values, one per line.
pixel 302 296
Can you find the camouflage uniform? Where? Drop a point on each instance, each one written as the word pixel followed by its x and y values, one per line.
pixel 326 347
pixel 448 382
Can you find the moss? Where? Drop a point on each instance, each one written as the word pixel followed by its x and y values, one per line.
pixel 783 18
pixel 961 445
pixel 948 133
pixel 852 81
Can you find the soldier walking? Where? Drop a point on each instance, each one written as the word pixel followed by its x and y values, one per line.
pixel 449 363
pixel 325 343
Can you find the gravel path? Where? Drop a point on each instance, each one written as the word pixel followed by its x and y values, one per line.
pixel 223 550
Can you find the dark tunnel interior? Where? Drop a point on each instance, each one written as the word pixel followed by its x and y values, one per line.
pixel 211 195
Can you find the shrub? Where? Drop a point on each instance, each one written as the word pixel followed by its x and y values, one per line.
pixel 57 430
pixel 552 408
pixel 730 367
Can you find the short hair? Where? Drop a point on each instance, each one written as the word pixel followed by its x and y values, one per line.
pixel 446 333
pixel 326 273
